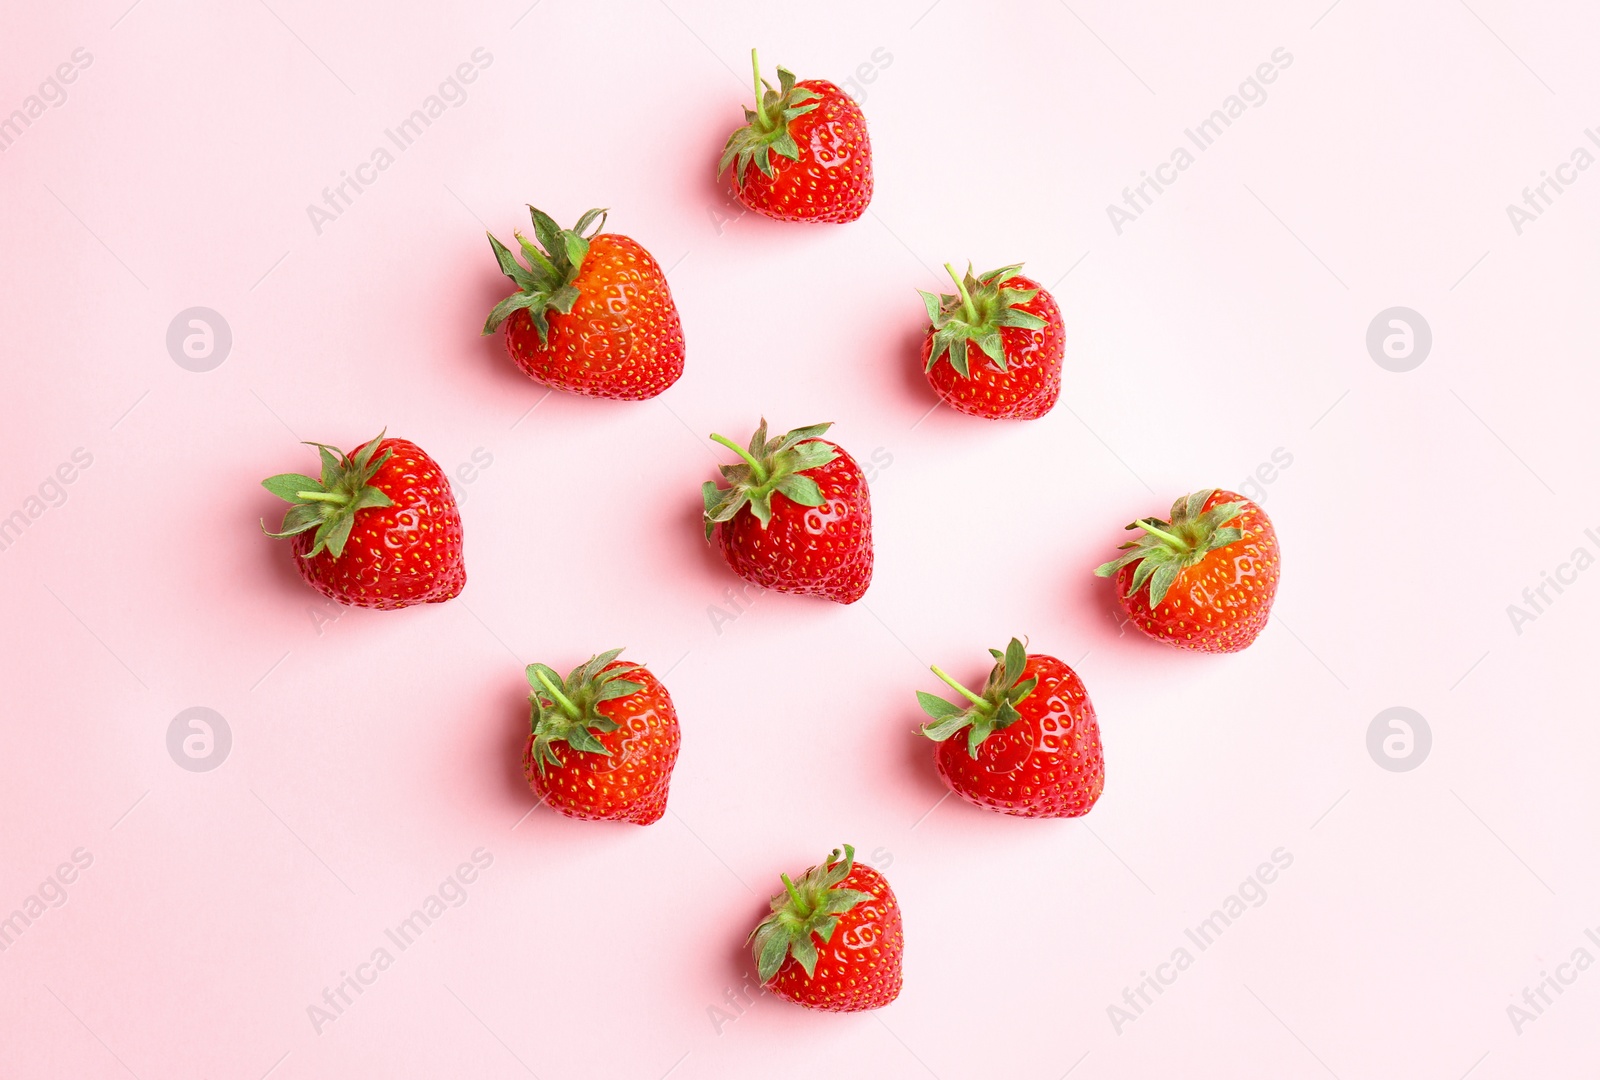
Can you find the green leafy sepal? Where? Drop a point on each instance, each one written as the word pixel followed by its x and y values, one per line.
pixel 995 709
pixel 564 709
pixel 778 464
pixel 1167 548
pixel 766 129
pixel 330 505
pixel 809 906
pixel 974 315
pixel 545 284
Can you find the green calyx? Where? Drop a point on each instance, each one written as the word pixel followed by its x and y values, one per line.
pixel 545 284
pixel 766 127
pixel 564 709
pixel 993 710
pixel 330 505
pixel 975 314
pixel 810 906
pixel 1167 548
pixel 778 464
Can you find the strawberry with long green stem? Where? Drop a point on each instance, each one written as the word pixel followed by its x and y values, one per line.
pixel 994 348
pixel 808 142
pixel 795 516
pixel 602 742
pixel 380 529
pixel 1206 578
pixel 1032 741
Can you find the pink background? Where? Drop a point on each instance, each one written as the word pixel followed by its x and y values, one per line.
pixel 373 754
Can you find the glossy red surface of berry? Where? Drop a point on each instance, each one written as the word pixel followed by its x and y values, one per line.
pixel 622 339
pixel 832 179
pixel 1221 604
pixel 629 785
pixel 1031 383
pixel 821 551
pixel 1049 763
pixel 860 965
pixel 399 555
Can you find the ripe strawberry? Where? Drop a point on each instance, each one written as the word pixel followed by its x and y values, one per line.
pixel 1204 580
pixel 1015 374
pixel 796 516
pixel 622 740
pixel 824 167
pixel 379 530
pixel 593 315
pixel 1033 744
pixel 853 911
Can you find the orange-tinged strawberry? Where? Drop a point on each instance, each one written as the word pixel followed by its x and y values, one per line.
pixel 592 315
pixel 834 939
pixel 994 347
pixel 380 529
pixel 808 143
pixel 618 740
pixel 1032 742
pixel 1204 580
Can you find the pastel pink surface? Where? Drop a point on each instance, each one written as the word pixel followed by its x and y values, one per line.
pixel 1217 339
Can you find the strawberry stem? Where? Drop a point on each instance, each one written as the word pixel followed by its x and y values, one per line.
pixel 1169 538
pixel 967 308
pixel 755 466
pixel 957 687
pixel 561 699
pixel 761 102
pixel 322 496
pixel 801 907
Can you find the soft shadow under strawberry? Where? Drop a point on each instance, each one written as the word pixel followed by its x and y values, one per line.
pixel 916 758
pixel 688 531
pixel 279 561
pixel 486 289
pixel 1081 591
pixel 904 354
pixel 508 764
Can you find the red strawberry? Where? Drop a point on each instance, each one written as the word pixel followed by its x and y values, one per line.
pixel 823 170
pixel 1015 373
pixel 379 530
pixel 852 911
pixel 592 315
pixel 1204 580
pixel 1033 744
pixel 621 735
pixel 796 517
